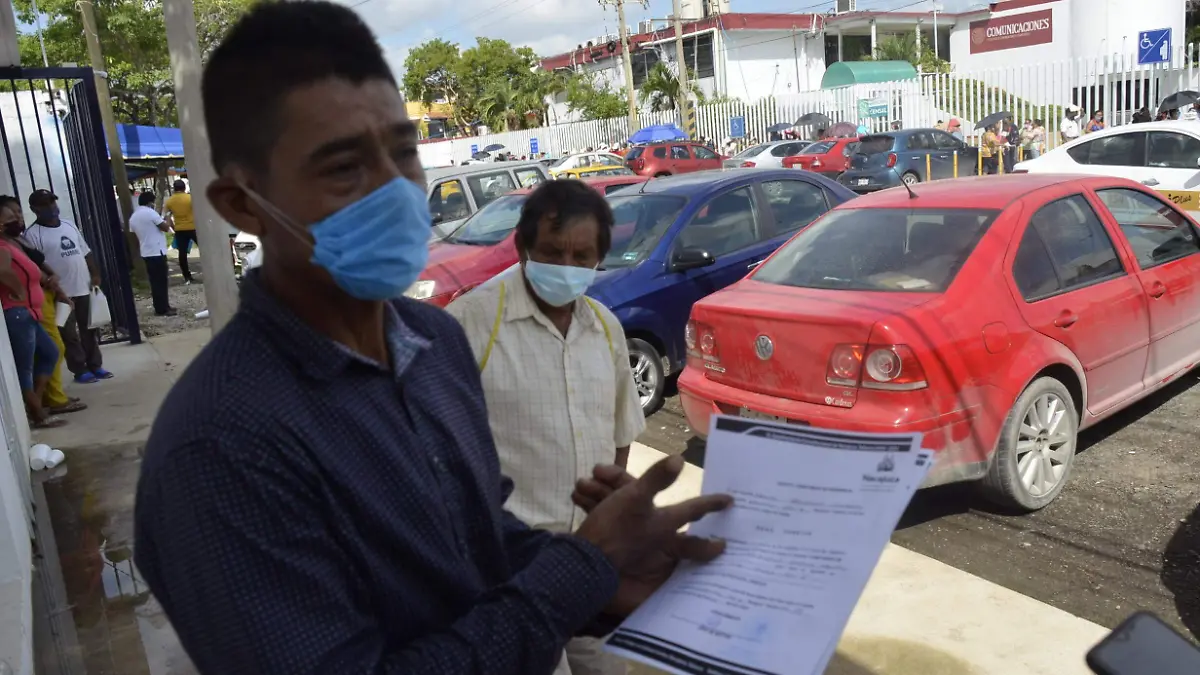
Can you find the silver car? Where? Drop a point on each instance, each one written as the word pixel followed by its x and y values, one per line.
pixel 766 155
pixel 456 192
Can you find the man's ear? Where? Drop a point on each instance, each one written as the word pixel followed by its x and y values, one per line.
pixel 231 201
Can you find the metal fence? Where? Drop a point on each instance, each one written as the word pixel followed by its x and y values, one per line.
pixel 1115 84
pixel 52 138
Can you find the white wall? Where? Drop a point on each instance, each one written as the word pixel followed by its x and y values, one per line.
pixel 1058 50
pixel 16 603
pixel 763 63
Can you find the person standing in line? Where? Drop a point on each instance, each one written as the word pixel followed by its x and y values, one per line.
pixel 55 399
pixel 21 297
pixel 151 230
pixel 272 549
pixel 178 212
pixel 954 128
pixel 579 407
pixel 991 148
pixel 1096 123
pixel 70 258
pixel 1069 129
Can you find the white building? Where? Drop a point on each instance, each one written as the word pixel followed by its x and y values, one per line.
pixel 751 56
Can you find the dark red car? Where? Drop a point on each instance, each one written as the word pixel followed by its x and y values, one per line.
pixel 996 315
pixel 829 157
pixel 483 245
pixel 670 158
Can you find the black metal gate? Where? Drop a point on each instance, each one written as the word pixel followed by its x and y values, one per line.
pixel 53 138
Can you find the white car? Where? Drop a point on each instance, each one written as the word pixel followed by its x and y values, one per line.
pixel 586 159
pixel 766 155
pixel 1161 155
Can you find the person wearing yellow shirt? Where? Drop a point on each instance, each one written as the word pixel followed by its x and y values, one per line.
pixel 177 211
pixel 990 150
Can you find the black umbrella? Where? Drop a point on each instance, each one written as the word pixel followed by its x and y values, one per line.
pixel 1178 100
pixel 815 119
pixel 779 128
pixel 481 155
pixel 990 120
pixel 493 147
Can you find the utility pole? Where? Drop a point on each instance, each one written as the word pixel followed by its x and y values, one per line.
pixel 684 82
pixel 220 288
pixel 796 58
pixel 92 37
pixel 627 58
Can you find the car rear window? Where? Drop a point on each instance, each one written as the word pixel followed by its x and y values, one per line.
pixel 818 148
pixel 752 151
pixel 908 250
pixel 871 145
pixel 634 153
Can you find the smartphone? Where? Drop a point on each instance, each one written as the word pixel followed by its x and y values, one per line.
pixel 1144 645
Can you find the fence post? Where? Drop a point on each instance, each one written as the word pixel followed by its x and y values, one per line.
pixel 956 164
pixel 928 173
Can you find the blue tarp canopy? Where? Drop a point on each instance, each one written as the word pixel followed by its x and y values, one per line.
pixel 140 142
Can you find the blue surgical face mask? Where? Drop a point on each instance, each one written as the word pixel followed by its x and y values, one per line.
pixel 374 248
pixel 47 212
pixel 558 285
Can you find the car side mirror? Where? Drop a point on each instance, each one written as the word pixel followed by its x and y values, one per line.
pixel 691 258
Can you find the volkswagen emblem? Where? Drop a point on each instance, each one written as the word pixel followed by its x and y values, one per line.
pixel 764 347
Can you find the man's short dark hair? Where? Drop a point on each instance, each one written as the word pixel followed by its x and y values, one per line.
pixel 275 48
pixel 146 198
pixel 563 201
pixel 179 186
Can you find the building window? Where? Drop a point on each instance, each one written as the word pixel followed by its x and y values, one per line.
pixel 698 53
pixel 643 62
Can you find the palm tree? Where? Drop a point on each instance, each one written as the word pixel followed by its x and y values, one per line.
pixel 661 89
pixel 498 106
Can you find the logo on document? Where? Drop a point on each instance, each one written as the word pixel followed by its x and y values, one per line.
pixel 886 465
pixel 764 347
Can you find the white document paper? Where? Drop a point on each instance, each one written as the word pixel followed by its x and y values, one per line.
pixel 813 510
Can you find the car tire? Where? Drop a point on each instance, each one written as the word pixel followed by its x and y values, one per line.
pixel 649 380
pixel 910 178
pixel 1041 433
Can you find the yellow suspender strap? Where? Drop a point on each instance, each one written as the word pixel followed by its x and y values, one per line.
pixel 487 352
pixel 607 333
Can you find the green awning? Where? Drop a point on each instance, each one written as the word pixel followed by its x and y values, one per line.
pixel 843 73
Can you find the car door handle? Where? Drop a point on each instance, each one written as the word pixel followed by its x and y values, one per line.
pixel 1157 290
pixel 754 265
pixel 1066 319
pixel 1150 182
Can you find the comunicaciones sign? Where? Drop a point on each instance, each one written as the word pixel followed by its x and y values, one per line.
pixel 1010 32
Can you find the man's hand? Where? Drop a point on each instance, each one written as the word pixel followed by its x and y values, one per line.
pixel 606 479
pixel 641 540
pixel 95 280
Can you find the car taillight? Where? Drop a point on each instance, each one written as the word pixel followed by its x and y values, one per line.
pixel 701 342
pixel 884 367
pixel 748 164
pixel 816 163
pixel 891 159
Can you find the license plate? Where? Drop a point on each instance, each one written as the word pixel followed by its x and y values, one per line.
pixel 755 415
pixel 864 181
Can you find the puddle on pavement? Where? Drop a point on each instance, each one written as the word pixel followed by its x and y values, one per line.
pixel 118 627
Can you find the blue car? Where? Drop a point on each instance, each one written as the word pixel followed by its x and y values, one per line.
pixel 679 238
pixel 907 156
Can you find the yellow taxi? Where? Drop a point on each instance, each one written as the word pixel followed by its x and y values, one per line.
pixel 593 172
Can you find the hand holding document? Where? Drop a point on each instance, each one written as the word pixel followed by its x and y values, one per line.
pixel 813 510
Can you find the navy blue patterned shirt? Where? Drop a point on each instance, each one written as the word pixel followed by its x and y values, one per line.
pixel 302 509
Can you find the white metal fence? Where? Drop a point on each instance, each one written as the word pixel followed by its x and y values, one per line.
pixel 1117 85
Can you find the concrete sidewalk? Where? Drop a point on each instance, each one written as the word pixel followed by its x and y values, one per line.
pixel 917 616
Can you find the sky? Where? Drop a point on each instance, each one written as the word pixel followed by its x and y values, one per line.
pixel 553 26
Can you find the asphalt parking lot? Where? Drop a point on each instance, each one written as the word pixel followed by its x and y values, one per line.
pixel 1123 536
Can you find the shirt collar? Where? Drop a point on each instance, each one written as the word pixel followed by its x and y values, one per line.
pixel 519 304
pixel 317 355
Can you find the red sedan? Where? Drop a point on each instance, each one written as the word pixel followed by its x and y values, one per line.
pixel 997 315
pixel 829 157
pixel 483 245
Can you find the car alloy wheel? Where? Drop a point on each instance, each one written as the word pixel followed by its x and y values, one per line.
pixel 910 179
pixel 1044 445
pixel 648 377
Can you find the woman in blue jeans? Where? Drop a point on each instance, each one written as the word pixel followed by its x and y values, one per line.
pixel 21 296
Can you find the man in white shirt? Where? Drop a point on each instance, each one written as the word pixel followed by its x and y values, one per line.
pixel 151 229
pixel 1069 128
pixel 70 258
pixel 555 369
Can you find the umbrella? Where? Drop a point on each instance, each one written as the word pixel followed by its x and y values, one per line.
pixel 481 155
pixel 991 120
pixel 815 119
pixel 778 128
pixel 1178 100
pixel 493 147
pixel 658 132
pixel 841 130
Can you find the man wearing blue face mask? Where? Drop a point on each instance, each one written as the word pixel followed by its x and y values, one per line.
pixel 320 492
pixel 555 368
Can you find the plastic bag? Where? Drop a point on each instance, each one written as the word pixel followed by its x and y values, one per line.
pixel 100 316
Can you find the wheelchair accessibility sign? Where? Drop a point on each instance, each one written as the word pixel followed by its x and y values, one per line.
pixel 1154 46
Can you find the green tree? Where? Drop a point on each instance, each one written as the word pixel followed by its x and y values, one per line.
pixel 662 90
pixel 498 106
pixel 903 47
pixel 132 35
pixel 431 72
pixel 594 101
